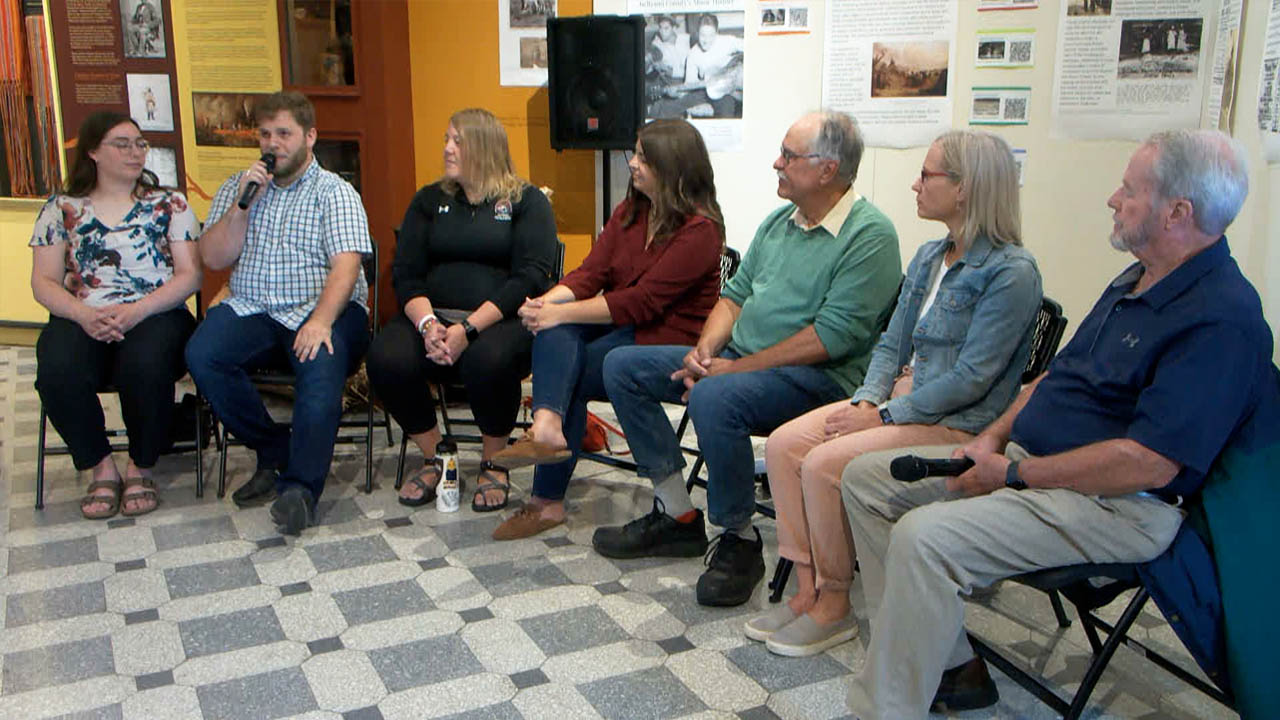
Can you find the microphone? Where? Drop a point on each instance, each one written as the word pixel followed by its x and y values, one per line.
pixel 252 188
pixel 910 468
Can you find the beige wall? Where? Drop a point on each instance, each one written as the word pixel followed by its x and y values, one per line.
pixel 1065 219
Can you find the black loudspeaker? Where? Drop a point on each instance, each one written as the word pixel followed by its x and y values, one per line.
pixel 595 80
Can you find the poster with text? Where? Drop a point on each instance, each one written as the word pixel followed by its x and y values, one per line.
pixel 1226 63
pixel 890 66
pixel 1125 69
pixel 695 62
pixel 522 41
pixel 1269 88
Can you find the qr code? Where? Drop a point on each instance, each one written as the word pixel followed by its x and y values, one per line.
pixel 1015 108
pixel 1019 52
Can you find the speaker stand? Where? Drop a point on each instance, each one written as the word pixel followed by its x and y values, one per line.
pixel 606 204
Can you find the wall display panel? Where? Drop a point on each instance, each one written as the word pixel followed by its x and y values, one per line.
pixel 113 55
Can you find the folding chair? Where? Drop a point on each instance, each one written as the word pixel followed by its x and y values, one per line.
pixel 285 378
pixel 1049 326
pixel 43 450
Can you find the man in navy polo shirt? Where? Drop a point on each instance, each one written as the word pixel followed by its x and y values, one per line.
pixel 1090 463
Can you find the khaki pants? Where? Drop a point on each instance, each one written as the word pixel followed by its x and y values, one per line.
pixel 804 477
pixel 921 549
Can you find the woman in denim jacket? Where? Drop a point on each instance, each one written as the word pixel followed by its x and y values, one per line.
pixel 949 364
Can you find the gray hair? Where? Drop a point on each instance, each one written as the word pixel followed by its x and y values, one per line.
pixel 1206 167
pixel 982 163
pixel 838 139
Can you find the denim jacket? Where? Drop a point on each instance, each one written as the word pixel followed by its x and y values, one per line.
pixel 972 345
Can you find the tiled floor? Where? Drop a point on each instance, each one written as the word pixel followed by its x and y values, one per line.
pixel 203 610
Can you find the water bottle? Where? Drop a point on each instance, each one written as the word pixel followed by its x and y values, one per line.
pixel 450 490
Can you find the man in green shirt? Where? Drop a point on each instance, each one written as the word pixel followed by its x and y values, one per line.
pixel 792 331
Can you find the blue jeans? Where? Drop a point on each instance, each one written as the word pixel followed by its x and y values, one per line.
pixel 568 365
pixel 726 410
pixel 226 346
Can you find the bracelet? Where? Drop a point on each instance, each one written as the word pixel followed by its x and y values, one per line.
pixel 425 321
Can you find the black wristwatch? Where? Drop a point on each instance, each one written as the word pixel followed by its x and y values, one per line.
pixel 1011 479
pixel 470 330
pixel 885 417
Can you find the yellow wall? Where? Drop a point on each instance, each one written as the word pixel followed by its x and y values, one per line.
pixel 454 46
pixel 16 303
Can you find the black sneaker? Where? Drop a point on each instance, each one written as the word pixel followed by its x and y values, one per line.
pixel 734 567
pixel 965 687
pixel 294 510
pixel 654 535
pixel 258 489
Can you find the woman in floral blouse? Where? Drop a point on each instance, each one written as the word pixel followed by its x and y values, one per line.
pixel 114 262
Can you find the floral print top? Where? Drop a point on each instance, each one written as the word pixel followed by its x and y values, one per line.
pixel 121 264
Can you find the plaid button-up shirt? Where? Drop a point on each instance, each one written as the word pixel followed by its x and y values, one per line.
pixel 293 231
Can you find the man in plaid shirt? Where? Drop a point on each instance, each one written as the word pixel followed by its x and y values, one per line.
pixel 298 301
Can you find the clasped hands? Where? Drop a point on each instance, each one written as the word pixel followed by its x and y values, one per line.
pixel 698 363
pixel 109 323
pixel 537 314
pixel 444 345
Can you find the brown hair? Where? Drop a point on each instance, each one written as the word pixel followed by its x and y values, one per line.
pixel 83 177
pixel 486 158
pixel 674 150
pixel 268 106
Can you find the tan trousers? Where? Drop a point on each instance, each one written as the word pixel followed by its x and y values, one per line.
pixel 921 549
pixel 804 476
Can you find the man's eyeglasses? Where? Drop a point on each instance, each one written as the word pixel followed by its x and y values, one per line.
pixel 926 174
pixel 125 145
pixel 788 156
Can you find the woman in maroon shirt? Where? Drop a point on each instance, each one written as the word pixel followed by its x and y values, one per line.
pixel 651 278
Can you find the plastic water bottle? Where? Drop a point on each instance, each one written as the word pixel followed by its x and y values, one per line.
pixel 450 490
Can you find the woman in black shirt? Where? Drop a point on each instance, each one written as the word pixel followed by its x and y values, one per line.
pixel 472 247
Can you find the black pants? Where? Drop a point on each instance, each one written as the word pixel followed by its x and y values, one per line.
pixel 491 369
pixel 72 367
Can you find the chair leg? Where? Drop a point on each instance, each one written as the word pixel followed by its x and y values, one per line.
pixel 199 447
pixel 693 475
pixel 386 422
pixel 222 464
pixel 1100 660
pixel 1056 601
pixel 444 410
pixel 40 462
pixel 404 445
pixel 781 575
pixel 368 451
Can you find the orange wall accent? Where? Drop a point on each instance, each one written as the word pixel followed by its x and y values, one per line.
pixel 454 64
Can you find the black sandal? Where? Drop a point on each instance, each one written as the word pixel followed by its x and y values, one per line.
pixel 428 491
pixel 489 481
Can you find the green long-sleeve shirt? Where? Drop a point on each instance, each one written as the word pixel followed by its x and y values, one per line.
pixel 843 284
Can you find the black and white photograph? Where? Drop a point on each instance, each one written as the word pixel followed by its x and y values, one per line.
pixel 150 102
pixel 799 17
pixel 225 119
pixel 533 52
pixel 773 17
pixel 694 65
pixel 1088 7
pixel 1159 49
pixel 163 161
pixel 991 50
pixel 986 107
pixel 531 13
pixel 142 27
pixel 909 69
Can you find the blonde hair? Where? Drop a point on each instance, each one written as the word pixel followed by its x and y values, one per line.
pixel 982 163
pixel 486 158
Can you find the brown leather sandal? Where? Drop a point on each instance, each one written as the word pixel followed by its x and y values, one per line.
pixel 143 489
pixel 489 481
pixel 112 501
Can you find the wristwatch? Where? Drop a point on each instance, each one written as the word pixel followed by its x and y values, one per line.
pixel 470 330
pixel 885 417
pixel 1011 479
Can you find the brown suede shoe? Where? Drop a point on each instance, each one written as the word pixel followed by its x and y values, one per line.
pixel 527 522
pixel 965 687
pixel 527 451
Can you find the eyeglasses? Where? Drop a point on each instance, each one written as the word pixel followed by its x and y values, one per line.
pixel 124 145
pixel 788 156
pixel 926 174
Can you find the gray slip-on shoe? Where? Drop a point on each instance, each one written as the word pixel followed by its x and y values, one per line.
pixel 760 627
pixel 805 636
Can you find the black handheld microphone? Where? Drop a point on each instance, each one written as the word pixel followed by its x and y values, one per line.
pixel 910 468
pixel 252 188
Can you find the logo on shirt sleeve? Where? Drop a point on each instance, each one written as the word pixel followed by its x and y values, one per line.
pixel 1131 340
pixel 443 209
pixel 502 210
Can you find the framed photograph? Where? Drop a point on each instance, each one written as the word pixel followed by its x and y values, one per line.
pixel 142 28
pixel 163 161
pixel 150 102
pixel 225 119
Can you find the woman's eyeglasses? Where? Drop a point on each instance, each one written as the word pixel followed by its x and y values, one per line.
pixel 126 145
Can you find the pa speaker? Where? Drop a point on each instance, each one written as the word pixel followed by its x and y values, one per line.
pixel 595 80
